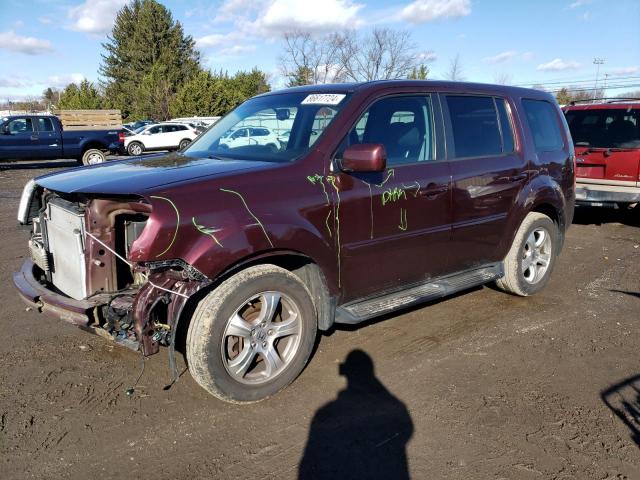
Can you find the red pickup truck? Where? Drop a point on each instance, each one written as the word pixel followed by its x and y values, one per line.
pixel 607 142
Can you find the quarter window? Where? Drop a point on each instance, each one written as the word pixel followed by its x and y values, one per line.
pixel 474 126
pixel 544 125
pixel 402 124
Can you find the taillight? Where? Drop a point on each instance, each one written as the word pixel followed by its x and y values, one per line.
pixel 121 137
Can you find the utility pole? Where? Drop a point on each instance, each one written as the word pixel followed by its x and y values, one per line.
pixel 604 88
pixel 597 62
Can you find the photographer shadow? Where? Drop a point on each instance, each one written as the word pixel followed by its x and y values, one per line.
pixel 623 399
pixel 362 433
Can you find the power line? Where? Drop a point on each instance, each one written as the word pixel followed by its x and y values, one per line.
pixel 574 82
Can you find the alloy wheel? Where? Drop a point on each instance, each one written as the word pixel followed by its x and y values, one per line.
pixel 261 338
pixel 536 255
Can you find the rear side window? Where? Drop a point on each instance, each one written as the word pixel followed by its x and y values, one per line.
pixel 474 126
pixel 544 125
pixel 45 125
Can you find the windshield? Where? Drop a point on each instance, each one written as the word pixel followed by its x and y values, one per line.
pixel 277 128
pixel 605 128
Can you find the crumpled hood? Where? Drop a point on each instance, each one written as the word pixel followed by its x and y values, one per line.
pixel 140 175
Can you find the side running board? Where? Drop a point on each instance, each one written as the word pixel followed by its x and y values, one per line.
pixel 361 310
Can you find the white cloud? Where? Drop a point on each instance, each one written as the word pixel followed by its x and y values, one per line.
pixel 9 40
pixel 13 82
pixel 286 15
pixel 427 57
pixel 45 20
pixel 527 55
pixel 558 65
pixel 231 9
pixel 501 57
pixel 625 71
pixel 219 40
pixel 61 81
pixel 578 3
pixel 422 11
pixel 95 16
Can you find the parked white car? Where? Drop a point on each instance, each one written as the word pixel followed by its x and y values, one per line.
pixel 244 136
pixel 161 136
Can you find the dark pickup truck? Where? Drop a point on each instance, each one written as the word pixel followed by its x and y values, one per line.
pixel 42 136
pixel 379 196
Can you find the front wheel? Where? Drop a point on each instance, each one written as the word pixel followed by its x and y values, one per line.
pixel 93 156
pixel 252 336
pixel 528 265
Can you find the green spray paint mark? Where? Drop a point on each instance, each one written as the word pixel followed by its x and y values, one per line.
pixel 403 219
pixel 332 180
pixel 175 234
pixel 313 179
pixel 258 222
pixel 415 185
pixel 393 195
pixel 207 230
pixel 390 173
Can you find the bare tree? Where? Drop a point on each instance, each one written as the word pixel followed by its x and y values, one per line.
pixel 455 70
pixel 384 54
pixel 309 60
pixel 502 78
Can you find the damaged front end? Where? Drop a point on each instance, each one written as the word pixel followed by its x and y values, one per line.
pixel 79 269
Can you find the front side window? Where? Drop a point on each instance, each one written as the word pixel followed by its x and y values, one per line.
pixel 402 124
pixel 45 125
pixel 605 128
pixel 544 126
pixel 20 125
pixel 275 127
pixel 474 126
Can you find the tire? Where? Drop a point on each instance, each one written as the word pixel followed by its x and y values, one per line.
pixel 135 148
pixel 93 156
pixel 184 143
pixel 234 368
pixel 536 243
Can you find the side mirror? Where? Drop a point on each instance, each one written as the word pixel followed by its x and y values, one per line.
pixel 5 129
pixel 366 157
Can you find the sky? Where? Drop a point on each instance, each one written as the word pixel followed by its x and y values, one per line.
pixel 523 42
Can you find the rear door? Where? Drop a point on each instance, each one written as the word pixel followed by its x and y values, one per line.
pixel 488 169
pixel 48 143
pixel 607 144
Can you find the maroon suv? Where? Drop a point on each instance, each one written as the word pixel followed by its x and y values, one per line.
pixel 369 198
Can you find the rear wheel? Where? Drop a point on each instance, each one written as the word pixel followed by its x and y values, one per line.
pixel 93 156
pixel 135 148
pixel 184 144
pixel 252 336
pixel 528 265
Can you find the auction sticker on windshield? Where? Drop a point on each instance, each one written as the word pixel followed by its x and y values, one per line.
pixel 323 99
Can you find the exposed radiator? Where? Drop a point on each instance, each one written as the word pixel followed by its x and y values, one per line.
pixel 65 234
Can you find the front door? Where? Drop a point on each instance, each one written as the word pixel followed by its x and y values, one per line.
pixel 392 228
pixel 20 139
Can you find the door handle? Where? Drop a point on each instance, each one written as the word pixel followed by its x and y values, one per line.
pixel 34 137
pixel 431 191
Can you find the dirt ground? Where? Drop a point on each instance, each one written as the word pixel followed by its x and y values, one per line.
pixel 481 385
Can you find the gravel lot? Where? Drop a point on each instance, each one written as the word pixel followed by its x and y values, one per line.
pixel 481 385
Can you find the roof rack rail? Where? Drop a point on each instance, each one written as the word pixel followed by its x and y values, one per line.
pixel 606 100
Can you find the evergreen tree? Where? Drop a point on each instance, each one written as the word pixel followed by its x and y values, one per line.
pixel 85 95
pixel 300 76
pixel 419 73
pixel 147 55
